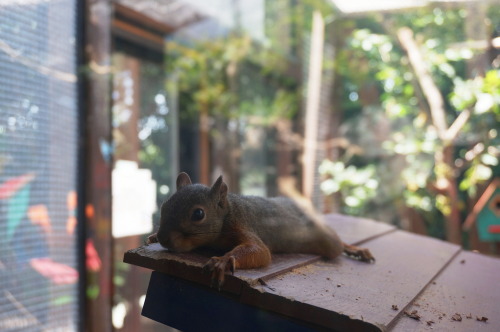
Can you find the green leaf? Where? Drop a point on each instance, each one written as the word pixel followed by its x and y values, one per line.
pixel 485 103
pixel 482 172
pixel 352 201
pixel 489 160
pixel 329 186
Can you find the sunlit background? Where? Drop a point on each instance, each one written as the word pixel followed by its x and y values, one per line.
pixel 382 109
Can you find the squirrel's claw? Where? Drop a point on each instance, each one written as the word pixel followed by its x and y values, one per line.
pixel 365 255
pixel 218 266
pixel 152 239
pixel 361 254
pixel 232 267
pixel 206 268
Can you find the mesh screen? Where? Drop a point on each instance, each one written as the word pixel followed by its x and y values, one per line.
pixel 38 163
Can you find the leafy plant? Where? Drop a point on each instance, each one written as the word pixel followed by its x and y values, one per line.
pixel 356 185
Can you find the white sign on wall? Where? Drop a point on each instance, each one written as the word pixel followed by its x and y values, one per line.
pixel 134 199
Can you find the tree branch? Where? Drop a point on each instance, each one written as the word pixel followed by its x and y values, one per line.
pixel 452 132
pixel 429 88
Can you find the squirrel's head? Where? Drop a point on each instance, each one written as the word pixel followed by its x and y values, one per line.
pixel 193 216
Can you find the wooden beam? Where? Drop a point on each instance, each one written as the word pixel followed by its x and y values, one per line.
pixel 137 34
pixel 141 19
pixel 312 103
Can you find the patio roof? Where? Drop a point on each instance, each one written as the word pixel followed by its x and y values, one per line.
pixel 173 14
pixel 352 7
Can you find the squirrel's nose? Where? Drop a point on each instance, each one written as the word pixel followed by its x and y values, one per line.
pixel 173 241
pixel 163 239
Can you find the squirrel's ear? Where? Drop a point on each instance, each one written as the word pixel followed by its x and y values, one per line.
pixel 219 190
pixel 183 180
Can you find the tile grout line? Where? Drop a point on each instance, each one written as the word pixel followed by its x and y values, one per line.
pixel 400 314
pixel 376 236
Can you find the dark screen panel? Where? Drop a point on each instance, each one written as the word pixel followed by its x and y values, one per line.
pixel 38 166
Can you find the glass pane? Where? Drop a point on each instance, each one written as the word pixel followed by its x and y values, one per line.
pixel 239 91
pixel 143 128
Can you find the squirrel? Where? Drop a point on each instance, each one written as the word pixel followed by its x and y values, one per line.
pixel 249 228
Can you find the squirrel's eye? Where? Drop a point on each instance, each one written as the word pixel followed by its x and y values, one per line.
pixel 198 214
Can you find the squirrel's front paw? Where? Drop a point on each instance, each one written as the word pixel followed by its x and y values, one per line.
pixel 218 266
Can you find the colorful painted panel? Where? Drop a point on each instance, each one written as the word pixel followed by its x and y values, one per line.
pixel 488 219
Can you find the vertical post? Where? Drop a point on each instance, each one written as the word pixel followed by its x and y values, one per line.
pixel 312 103
pixel 204 143
pixel 173 122
pixel 337 34
pixel 98 159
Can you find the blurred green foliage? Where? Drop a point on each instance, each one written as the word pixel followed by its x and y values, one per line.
pixel 232 77
pixel 402 160
pixel 356 185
